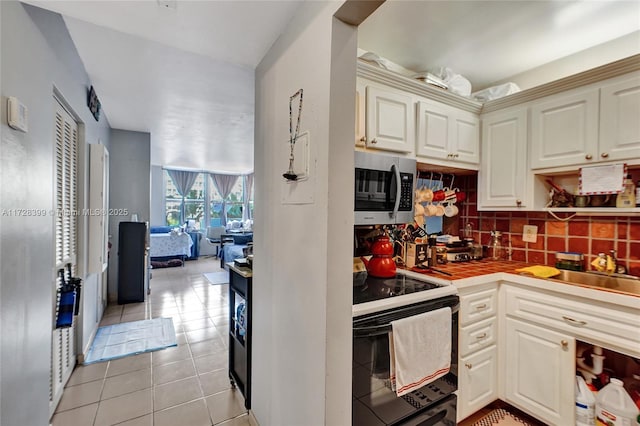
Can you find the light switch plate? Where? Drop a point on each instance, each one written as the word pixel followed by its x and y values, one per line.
pixel 17 115
pixel 530 233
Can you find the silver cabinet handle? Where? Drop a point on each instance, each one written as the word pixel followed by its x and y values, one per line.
pixel 481 336
pixel 482 306
pixel 574 321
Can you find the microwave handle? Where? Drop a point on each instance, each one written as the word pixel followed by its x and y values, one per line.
pixel 396 171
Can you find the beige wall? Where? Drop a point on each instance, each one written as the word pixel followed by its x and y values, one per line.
pixel 302 270
pixel 605 53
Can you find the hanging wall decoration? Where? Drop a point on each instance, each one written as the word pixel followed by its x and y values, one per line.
pixel 290 175
pixel 93 103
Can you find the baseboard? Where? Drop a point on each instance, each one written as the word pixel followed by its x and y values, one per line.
pixel 252 419
pixel 85 351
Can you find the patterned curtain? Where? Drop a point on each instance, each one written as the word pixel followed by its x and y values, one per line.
pixel 248 187
pixel 224 184
pixel 183 181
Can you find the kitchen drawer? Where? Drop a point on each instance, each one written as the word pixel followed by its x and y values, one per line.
pixel 478 305
pixel 594 321
pixel 477 336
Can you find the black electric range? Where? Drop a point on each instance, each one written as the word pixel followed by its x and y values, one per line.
pixel 369 289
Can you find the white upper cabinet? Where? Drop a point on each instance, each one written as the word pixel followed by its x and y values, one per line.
pixel 447 133
pixel 595 124
pixel 564 129
pixel 502 177
pixel 390 123
pixel 620 119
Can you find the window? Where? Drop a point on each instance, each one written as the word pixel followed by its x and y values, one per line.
pixel 203 203
pixel 233 203
pixel 194 202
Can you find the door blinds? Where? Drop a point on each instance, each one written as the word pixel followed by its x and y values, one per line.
pixel 63 354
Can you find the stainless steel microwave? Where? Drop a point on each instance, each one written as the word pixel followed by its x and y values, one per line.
pixel 384 187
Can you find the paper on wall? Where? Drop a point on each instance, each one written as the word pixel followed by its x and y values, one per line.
pixel 607 179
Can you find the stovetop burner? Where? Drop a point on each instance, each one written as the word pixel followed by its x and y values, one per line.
pixel 368 289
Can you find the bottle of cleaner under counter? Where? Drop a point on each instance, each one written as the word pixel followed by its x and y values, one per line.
pixel 627 198
pixel 614 406
pixel 585 404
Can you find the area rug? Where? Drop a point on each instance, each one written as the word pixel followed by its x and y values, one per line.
pixel 216 278
pixel 502 417
pixel 130 338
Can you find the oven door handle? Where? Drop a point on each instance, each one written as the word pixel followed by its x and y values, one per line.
pixel 371 331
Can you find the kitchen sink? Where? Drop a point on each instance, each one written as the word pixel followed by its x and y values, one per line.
pixel 601 280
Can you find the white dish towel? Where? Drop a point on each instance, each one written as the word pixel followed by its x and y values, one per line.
pixel 420 350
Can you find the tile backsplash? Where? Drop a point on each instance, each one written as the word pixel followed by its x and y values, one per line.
pixel 586 234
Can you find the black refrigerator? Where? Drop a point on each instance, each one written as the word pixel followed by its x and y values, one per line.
pixel 132 245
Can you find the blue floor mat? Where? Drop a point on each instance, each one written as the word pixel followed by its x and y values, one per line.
pixel 130 338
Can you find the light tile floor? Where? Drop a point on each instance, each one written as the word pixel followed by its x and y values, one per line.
pixel 187 385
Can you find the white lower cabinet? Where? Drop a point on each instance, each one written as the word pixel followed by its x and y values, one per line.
pixel 477 381
pixel 540 371
pixel 477 349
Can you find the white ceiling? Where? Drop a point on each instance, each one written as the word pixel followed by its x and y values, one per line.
pixel 183 74
pixel 490 41
pixel 186 74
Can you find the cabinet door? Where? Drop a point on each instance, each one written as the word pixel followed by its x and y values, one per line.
pixel 619 123
pixel 502 175
pixel 466 137
pixel 390 120
pixel 433 131
pixel 361 137
pixel 564 130
pixel 477 381
pixel 446 133
pixel 540 372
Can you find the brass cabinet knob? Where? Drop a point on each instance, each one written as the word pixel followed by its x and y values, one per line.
pixel 518 202
pixel 604 155
pixel 363 139
pixel 481 306
pixel 481 336
pixel 374 141
pixel 466 364
pixel 564 344
pixel 588 156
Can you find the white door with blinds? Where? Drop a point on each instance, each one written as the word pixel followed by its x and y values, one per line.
pixel 63 353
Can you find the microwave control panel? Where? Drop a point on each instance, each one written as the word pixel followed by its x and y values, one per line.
pixel 406 192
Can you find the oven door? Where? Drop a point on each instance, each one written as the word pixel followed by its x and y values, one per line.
pixel 374 403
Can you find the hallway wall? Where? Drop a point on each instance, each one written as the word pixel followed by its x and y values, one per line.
pixel 37 56
pixel 129 189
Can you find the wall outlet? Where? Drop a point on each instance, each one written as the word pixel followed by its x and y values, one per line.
pixel 530 233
